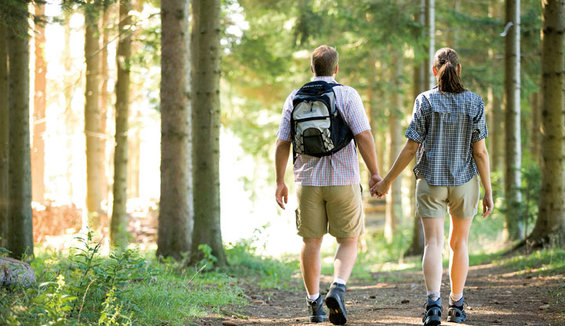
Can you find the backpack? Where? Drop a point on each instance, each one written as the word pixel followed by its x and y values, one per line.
pixel 316 125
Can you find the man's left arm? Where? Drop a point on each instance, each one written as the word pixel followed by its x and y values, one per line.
pixel 282 152
pixel 366 146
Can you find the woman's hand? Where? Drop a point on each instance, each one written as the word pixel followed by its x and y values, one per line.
pixel 488 205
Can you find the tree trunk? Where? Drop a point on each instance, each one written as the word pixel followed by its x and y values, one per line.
pixel 175 218
pixel 118 227
pixel 70 118
pixel 514 223
pixel 20 236
pixel 431 29
pixel 134 148
pixel 105 101
pixel 92 119
pixel 550 224
pixel 39 104
pixel 535 138
pixel 4 138
pixel 394 200
pixel 416 247
pixel 494 105
pixel 206 131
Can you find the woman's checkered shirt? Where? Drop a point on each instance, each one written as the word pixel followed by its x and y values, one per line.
pixel 446 125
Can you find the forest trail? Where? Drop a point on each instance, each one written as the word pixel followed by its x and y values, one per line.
pixel 495 296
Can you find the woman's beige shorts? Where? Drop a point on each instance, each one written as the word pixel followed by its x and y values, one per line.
pixel 334 209
pixel 432 201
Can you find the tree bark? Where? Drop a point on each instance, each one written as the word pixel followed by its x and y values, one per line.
pixel 39 105
pixel 206 131
pixel 550 224
pixel 20 236
pixel 535 138
pixel 514 223
pixel 70 117
pixel 4 138
pixel 92 118
pixel 416 247
pixel 118 226
pixel 394 200
pixel 105 101
pixel 175 218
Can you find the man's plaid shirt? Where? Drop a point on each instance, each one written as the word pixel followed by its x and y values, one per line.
pixel 446 125
pixel 341 168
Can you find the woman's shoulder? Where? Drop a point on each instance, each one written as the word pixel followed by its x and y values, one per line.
pixel 472 96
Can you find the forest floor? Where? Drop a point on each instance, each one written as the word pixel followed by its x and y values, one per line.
pixel 496 295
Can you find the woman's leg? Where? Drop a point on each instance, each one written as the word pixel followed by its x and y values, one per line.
pixel 431 262
pixel 459 255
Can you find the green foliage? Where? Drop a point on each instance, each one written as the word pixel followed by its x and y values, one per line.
pixel 208 259
pixel 268 272
pixel 540 262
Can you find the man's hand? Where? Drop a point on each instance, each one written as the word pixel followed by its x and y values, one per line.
pixel 375 178
pixel 488 205
pixel 281 194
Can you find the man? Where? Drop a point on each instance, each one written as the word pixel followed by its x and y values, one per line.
pixel 328 191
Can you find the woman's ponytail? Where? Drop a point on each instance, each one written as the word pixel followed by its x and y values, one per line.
pixel 446 62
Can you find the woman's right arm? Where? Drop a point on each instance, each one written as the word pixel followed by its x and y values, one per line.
pixel 480 154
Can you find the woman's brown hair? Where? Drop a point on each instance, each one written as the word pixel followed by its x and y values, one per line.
pixel 446 62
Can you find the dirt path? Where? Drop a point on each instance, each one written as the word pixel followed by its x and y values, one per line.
pixel 495 296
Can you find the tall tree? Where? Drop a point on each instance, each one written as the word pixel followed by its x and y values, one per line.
pixel 4 138
pixel 118 226
pixel 421 82
pixel 550 224
pixel 20 235
pixel 206 130
pixel 92 113
pixel 39 105
pixel 175 218
pixel 394 200
pixel 107 25
pixel 513 196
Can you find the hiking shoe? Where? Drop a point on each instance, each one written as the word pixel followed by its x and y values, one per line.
pixel 432 316
pixel 336 305
pixel 316 312
pixel 456 313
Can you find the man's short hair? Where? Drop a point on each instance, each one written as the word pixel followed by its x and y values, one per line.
pixel 324 60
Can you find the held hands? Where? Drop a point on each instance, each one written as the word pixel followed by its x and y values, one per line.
pixel 380 189
pixel 281 194
pixel 373 180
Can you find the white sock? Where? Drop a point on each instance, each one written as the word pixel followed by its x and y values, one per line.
pixel 339 281
pixel 313 297
pixel 456 297
pixel 434 295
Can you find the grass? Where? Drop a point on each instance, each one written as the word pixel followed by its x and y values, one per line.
pixel 83 287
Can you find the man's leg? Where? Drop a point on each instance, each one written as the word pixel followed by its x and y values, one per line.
pixel 310 264
pixel 345 257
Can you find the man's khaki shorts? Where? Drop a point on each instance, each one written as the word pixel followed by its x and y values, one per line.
pixel 334 209
pixel 432 201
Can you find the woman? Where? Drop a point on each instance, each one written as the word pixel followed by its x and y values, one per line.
pixel 447 133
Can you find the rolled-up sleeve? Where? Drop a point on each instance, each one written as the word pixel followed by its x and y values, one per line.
pixel 418 126
pixel 480 130
pixel 283 133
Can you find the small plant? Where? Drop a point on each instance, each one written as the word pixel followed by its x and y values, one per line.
pixel 51 304
pixel 208 260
